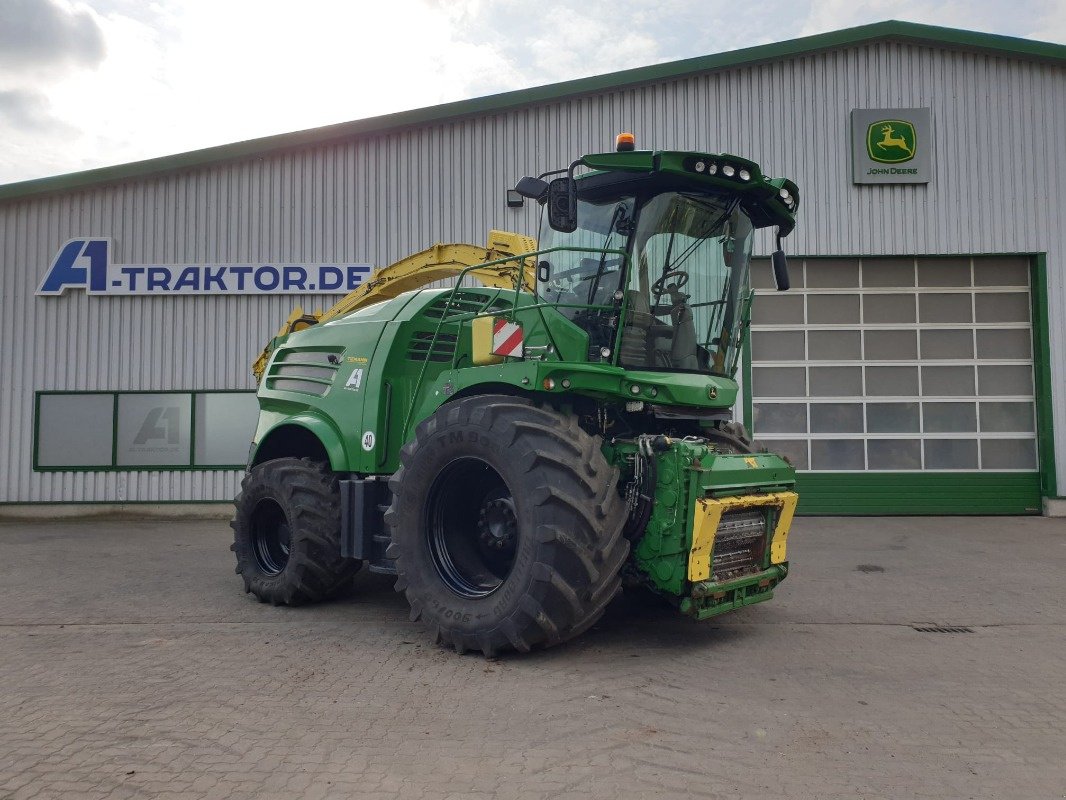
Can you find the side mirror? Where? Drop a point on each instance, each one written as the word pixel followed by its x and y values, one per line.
pixel 729 252
pixel 562 205
pixel 780 270
pixel 533 188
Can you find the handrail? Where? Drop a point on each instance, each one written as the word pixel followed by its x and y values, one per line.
pixel 514 306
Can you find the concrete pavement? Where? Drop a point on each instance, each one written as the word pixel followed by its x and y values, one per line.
pixel 133 665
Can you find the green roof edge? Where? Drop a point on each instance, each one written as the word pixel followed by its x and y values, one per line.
pixel 507 101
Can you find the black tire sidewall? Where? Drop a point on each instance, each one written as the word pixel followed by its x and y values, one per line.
pixel 263 484
pixel 308 495
pixel 446 445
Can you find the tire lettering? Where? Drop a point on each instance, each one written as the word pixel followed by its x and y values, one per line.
pixel 449 613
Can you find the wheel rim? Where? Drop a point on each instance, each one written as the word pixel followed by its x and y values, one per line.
pixel 472 528
pixel 271 537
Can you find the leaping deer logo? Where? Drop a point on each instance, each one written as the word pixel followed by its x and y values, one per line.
pixel 888 140
pixel 891 141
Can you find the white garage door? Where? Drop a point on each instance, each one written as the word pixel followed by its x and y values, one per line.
pixel 895 366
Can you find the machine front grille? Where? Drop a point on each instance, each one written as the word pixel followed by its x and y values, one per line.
pixel 739 544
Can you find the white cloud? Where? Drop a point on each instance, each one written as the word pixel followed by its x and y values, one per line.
pixel 985 15
pixel 176 75
pixel 205 73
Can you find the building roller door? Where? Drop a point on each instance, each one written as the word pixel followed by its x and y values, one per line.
pixel 900 385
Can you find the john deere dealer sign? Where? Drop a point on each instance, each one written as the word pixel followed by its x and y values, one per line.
pixel 891 145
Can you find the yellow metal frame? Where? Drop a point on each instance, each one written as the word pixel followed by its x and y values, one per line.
pixel 436 263
pixel 707 515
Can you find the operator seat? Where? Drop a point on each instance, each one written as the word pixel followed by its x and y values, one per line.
pixel 683 352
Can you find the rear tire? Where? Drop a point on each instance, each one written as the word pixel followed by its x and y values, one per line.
pixel 286 533
pixel 506 526
pixel 733 436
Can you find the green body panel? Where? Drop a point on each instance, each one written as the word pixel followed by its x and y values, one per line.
pixel 759 194
pixel 399 387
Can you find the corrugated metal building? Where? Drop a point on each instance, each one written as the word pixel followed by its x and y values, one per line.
pixel 916 366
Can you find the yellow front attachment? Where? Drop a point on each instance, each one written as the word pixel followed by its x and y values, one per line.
pixel 708 515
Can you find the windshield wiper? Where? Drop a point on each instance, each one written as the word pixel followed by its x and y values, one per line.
pixel 617 218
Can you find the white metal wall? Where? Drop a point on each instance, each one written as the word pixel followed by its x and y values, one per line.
pixel 999 161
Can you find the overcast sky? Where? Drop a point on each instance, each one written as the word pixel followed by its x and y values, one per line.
pixel 97 82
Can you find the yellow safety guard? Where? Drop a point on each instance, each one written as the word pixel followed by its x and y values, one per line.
pixel 707 516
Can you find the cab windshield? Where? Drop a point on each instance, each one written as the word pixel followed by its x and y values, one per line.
pixel 689 281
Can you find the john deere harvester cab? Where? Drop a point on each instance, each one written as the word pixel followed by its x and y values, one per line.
pixel 513 452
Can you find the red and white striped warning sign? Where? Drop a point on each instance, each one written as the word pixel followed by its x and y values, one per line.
pixel 506 338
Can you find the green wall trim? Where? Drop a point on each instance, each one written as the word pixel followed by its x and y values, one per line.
pixel 890 30
pixel 919 493
pixel 1042 374
pixel 749 406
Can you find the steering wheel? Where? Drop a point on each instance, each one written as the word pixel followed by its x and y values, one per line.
pixel 660 285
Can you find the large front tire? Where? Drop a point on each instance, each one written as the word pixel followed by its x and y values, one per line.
pixel 506 526
pixel 286 533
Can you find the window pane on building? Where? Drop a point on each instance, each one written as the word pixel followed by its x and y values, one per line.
pixel 780 417
pixel 837 455
pixel 779 381
pixel 1008 454
pixel 836 418
pixel 75 430
pixel 777 346
pixel 894 454
pixel 836 381
pixel 893 418
pixel 950 453
pixel 891 381
pixel 945 307
pixel 885 308
pixel 834 346
pixel 1007 418
pixel 1004 343
pixel 890 345
pixel 950 417
pixel 225 425
pixel 947 344
pixel 941 381
pixel 154 430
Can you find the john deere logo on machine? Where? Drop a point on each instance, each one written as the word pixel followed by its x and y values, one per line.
pixel 891 141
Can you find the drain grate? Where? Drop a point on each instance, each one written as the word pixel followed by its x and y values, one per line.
pixel 941 629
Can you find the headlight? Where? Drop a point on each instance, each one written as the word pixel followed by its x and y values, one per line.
pixel 744 175
pixel 728 170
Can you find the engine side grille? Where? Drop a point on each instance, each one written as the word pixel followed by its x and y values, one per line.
pixel 304 371
pixel 739 544
pixel 464 303
pixel 424 347
pixel 459 303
